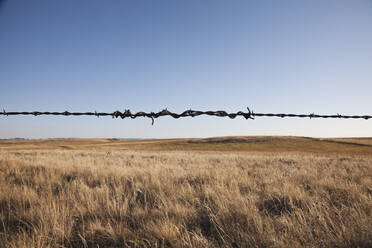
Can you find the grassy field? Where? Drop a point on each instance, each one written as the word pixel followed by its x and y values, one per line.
pixel 216 192
pixel 265 144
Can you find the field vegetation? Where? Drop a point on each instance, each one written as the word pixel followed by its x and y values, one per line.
pixel 217 192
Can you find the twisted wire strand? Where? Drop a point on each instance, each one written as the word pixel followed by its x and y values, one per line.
pixel 188 113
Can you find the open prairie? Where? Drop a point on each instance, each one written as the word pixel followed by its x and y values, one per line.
pixel 214 192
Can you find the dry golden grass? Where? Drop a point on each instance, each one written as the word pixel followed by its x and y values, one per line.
pixel 304 195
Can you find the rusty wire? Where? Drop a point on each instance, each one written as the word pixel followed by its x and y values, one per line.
pixel 188 113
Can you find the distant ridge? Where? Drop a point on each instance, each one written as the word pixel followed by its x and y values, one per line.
pixel 71 138
pixel 14 139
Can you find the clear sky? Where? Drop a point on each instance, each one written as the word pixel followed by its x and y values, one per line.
pixel 273 56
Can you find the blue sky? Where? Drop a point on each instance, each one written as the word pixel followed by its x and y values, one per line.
pixel 273 56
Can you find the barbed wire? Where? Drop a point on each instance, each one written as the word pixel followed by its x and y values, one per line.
pixel 188 113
